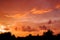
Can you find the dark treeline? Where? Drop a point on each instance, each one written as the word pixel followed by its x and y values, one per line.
pixel 46 36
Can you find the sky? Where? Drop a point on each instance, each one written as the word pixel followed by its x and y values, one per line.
pixel 28 12
pixel 10 9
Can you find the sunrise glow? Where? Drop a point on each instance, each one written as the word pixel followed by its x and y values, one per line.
pixel 24 17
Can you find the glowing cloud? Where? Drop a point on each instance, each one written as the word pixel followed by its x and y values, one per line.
pixel 42 11
pixel 3 28
pixel 12 11
pixel 57 6
pixel 16 16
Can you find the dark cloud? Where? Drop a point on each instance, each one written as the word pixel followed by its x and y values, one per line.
pixel 27 4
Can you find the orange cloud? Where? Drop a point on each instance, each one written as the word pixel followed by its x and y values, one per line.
pixel 35 11
pixel 3 28
pixel 57 6
pixel 16 16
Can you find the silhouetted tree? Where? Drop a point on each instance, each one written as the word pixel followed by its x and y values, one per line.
pixel 46 36
pixel 6 36
pixel 58 36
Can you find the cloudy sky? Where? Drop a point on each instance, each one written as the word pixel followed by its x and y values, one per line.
pixel 36 11
pixel 21 8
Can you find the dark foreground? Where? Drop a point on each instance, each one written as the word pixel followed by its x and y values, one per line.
pixel 47 36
